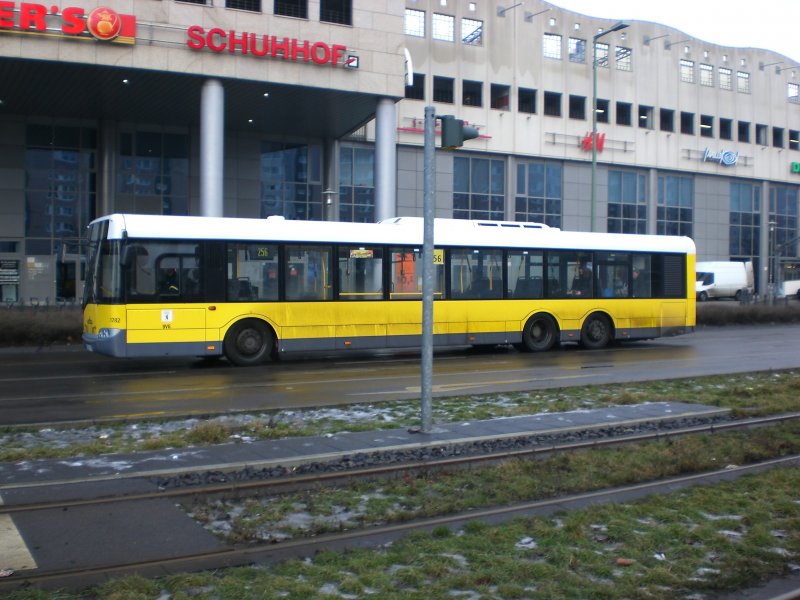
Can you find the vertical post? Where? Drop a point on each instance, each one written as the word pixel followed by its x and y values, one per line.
pixel 429 202
pixel 212 144
pixel 594 130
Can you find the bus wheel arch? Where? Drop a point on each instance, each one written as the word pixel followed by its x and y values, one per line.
pixel 597 331
pixel 249 342
pixel 540 334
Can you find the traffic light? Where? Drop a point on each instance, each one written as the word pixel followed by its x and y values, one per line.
pixel 454 132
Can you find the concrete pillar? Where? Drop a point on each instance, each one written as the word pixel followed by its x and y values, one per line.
pixel 212 145
pixel 107 151
pixel 385 159
pixel 330 179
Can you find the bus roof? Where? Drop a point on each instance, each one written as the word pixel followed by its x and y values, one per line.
pixel 396 231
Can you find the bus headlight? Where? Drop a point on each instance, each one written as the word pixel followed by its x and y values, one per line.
pixel 107 332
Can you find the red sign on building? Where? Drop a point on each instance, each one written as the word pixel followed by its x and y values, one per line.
pixel 600 142
pixel 102 23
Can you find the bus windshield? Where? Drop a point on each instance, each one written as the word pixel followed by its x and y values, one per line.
pixel 103 273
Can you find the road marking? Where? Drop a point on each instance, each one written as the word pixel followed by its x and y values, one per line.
pixel 452 387
pixel 14 553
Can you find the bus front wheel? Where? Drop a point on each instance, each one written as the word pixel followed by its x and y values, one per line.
pixel 248 343
pixel 540 333
pixel 596 332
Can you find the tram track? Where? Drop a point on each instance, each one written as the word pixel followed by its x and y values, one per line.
pixel 290 481
pixel 232 555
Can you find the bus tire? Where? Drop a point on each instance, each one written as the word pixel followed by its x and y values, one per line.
pixel 540 333
pixel 596 331
pixel 248 342
pixel 702 297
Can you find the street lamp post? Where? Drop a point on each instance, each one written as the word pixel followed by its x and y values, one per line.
pixel 616 27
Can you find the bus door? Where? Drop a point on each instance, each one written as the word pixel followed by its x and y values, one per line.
pixel 172 315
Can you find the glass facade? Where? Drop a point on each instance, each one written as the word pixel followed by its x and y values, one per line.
pixel 153 174
pixel 675 205
pixel 745 219
pixel 357 184
pixel 783 213
pixel 291 181
pixel 627 202
pixel 478 188
pixel 539 193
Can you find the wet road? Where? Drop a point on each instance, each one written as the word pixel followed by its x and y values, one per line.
pixel 56 386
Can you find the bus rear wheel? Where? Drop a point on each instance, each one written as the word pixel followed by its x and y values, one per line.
pixel 539 334
pixel 596 332
pixel 248 343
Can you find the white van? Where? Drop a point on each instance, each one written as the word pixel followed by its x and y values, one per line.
pixel 791 288
pixel 719 279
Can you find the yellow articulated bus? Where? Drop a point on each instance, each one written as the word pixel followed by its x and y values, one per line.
pixel 250 288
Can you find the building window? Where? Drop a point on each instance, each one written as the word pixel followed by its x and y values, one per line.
pixel 777 137
pixel 443 27
pixel 471 93
pixel 472 32
pixel 251 5
pixel 624 62
pixel 761 134
pixel 706 126
pixel 526 101
pixel 336 11
pixel 745 219
pixel 794 139
pixel 577 50
pixel 552 104
pixel 706 75
pixel 290 8
pixel 725 129
pixel 601 54
pixel 627 202
pixel 478 188
pixel 687 70
pixel 415 22
pixel 443 89
pixel 501 96
pixel 783 212
pixel 666 118
pixel 687 123
pixel 154 172
pixel 725 79
pixel 675 205
pixel 603 110
pixel 357 184
pixel 291 181
pixel 624 113
pixel 577 107
pixel 743 82
pixel 538 196
pixel 60 201
pixel 646 118
pixel 744 131
pixel 793 92
pixel 416 91
pixel 551 46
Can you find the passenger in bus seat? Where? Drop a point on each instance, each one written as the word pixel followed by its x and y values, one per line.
pixel 582 284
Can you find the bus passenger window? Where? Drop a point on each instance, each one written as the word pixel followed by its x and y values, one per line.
pixel 308 273
pixel 360 273
pixel 640 277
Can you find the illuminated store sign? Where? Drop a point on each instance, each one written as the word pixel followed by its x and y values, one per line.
pixel 726 158
pixel 269 46
pixel 592 139
pixel 796 167
pixel 102 23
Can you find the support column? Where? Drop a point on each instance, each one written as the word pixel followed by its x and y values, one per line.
pixel 330 179
pixel 764 247
pixel 107 147
pixel 385 159
pixel 212 145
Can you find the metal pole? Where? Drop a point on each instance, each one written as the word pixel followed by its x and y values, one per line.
pixel 429 202
pixel 594 129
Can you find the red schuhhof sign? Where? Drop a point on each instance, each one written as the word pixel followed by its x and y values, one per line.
pixel 102 23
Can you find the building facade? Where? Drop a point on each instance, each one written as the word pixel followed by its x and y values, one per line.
pixel 314 109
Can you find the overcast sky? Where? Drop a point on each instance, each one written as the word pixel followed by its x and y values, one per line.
pixel 769 24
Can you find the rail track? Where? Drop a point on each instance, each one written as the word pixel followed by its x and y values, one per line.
pixel 234 487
